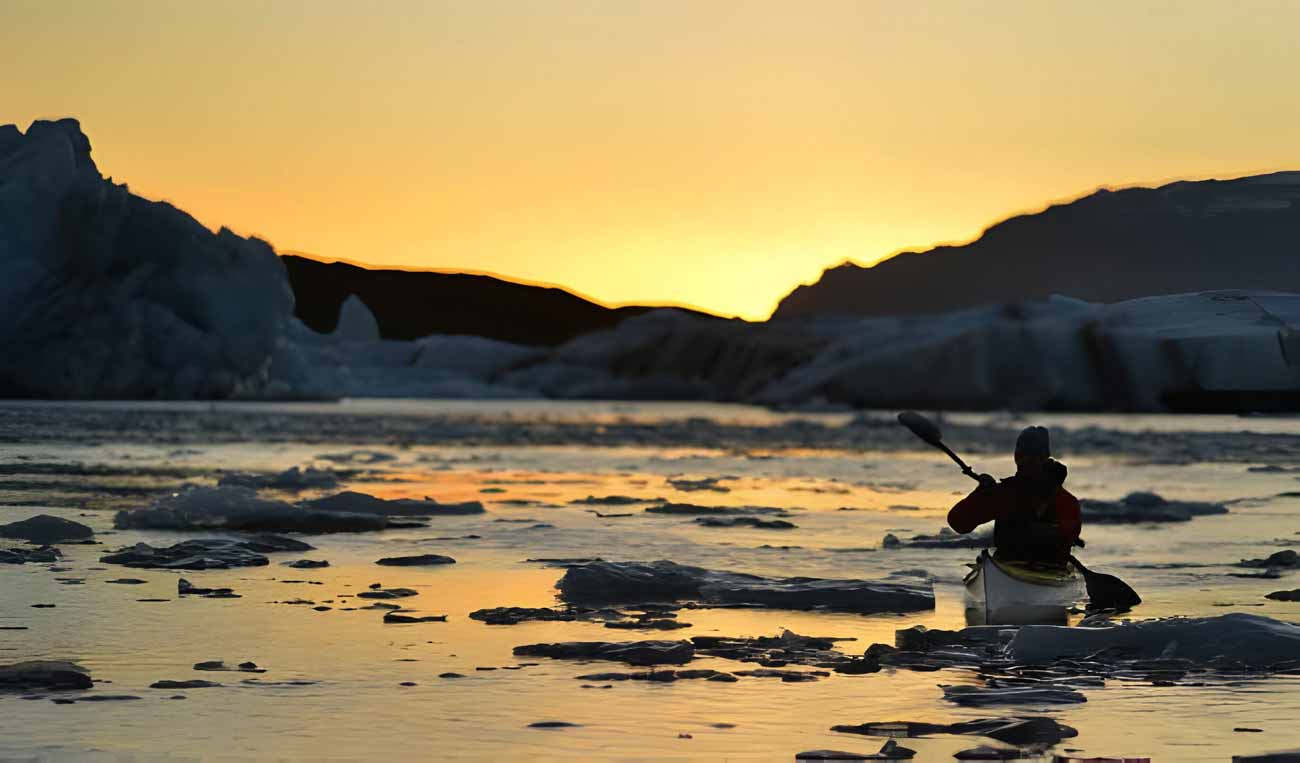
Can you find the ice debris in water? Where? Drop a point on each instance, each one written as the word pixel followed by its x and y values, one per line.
pixel 1285 756
pixel 42 555
pixel 45 529
pixel 668 581
pixel 360 503
pixel 1278 560
pixel 1146 507
pixel 44 674
pixel 945 538
pixel 752 522
pixel 1029 731
pixel 201 554
pixel 240 508
pixel 891 750
pixel 419 560
pixel 289 479
pixel 1252 640
pixel 632 652
pixel 691 509
pixel 975 696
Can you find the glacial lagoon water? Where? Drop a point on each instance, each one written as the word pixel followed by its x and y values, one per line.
pixel 333 687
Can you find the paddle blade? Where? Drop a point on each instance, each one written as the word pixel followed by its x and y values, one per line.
pixel 921 427
pixel 1107 591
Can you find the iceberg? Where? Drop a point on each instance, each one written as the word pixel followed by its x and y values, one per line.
pixel 1184 351
pixel 354 361
pixel 1216 350
pixel 106 294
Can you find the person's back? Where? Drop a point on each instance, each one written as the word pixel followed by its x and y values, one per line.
pixel 1035 518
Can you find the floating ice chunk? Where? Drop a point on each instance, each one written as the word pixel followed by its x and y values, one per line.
pixel 1249 639
pixel 46 674
pixel 1028 730
pixel 201 554
pixel 978 696
pixel 239 508
pixel 360 503
pixel 289 479
pixel 1146 507
pixel 667 581
pixel 45 529
pixel 632 652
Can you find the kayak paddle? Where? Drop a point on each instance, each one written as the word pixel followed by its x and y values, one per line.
pixel 1107 591
pixel 927 431
pixel 1104 591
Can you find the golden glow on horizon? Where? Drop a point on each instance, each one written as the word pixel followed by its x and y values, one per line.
pixel 713 154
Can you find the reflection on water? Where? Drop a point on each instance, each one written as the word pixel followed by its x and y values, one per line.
pixel 357 706
pixel 1028 614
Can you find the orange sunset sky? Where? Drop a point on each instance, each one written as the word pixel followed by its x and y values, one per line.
pixel 709 152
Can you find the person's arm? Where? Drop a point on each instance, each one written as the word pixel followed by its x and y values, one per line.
pixel 985 504
pixel 1068 516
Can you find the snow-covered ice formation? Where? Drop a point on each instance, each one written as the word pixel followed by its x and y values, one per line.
pixel 355 362
pixel 356 322
pixel 106 294
pixel 1060 353
pixel 1146 354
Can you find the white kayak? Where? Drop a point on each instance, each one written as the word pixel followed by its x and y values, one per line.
pixel 1004 593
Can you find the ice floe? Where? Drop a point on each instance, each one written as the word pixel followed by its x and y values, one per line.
pixel 663 580
pixel 45 529
pixel 241 509
pixel 1243 638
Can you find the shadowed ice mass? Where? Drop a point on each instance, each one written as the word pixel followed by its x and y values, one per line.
pixel 109 295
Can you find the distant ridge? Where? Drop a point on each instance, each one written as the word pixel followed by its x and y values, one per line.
pixel 1106 247
pixel 411 304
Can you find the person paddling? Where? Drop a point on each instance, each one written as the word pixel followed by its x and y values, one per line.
pixel 1035 519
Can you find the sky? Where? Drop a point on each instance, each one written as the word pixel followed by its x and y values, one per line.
pixel 713 153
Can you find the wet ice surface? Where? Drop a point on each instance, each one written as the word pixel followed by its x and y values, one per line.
pixel 337 680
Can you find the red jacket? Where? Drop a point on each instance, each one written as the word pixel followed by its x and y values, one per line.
pixel 992 502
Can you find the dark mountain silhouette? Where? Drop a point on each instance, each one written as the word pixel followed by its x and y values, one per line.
pixel 1105 247
pixel 411 304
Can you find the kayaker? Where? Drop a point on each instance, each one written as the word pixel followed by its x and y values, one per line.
pixel 1035 518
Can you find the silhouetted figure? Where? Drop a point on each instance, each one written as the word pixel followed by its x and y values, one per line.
pixel 1035 518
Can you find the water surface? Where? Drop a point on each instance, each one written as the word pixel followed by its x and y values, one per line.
pixel 528 461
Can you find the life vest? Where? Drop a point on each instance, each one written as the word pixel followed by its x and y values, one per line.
pixel 1031 530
